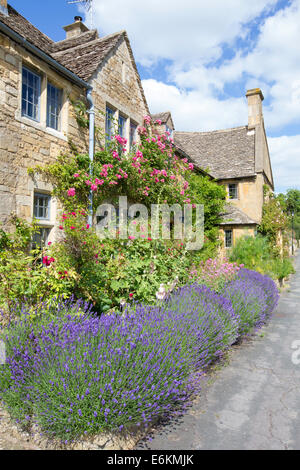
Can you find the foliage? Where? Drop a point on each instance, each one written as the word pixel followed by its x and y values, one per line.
pixel 255 253
pixel 18 263
pixel 81 374
pixel 291 202
pixel 274 223
pixel 110 272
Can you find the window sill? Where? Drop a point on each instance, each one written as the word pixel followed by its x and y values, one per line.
pixel 37 125
pixel 44 223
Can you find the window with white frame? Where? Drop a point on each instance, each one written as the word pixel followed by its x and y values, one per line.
pixel 109 123
pixel 228 238
pixel 233 191
pixel 41 206
pixel 31 91
pixel 54 104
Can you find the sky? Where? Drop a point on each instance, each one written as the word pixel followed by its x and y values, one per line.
pixel 197 59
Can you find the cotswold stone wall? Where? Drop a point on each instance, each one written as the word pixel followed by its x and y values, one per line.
pixel 116 84
pixel 250 195
pixel 24 142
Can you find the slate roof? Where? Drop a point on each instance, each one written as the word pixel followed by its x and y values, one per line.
pixel 82 55
pixel 225 154
pixel 235 216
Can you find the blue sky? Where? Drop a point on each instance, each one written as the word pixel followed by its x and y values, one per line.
pixel 198 58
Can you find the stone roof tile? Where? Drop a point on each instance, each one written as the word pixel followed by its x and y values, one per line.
pixel 228 153
pixel 84 59
pixel 232 215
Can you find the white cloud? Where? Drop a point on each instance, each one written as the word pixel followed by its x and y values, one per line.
pixel 176 30
pixel 191 35
pixel 195 110
pixel 285 156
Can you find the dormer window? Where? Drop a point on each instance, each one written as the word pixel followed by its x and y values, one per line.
pixel 233 191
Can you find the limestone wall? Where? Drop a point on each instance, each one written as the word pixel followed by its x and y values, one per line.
pixel 250 195
pixel 25 143
pixel 115 84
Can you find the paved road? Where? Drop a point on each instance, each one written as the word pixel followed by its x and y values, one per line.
pixel 254 402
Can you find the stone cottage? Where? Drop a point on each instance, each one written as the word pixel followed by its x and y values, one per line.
pixel 39 80
pixel 237 158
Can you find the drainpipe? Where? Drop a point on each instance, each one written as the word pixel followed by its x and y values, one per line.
pixel 91 112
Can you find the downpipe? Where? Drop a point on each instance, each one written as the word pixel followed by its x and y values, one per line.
pixel 91 113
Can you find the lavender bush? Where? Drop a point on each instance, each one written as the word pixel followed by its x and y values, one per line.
pixel 80 374
pixel 219 322
pixel 266 283
pixel 253 296
pixel 87 374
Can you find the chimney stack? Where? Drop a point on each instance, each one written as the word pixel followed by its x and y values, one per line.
pixel 3 7
pixel 255 114
pixel 75 29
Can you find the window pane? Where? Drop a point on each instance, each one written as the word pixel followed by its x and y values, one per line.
pixel 132 135
pixel 54 101
pixel 122 122
pixel 40 238
pixel 41 207
pixel 109 124
pixel 232 191
pixel 228 238
pixel 30 94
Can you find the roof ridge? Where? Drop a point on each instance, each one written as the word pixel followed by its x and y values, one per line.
pixel 86 33
pixel 85 44
pixel 211 132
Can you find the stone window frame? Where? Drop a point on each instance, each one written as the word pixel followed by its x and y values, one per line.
pixel 45 76
pixel 117 113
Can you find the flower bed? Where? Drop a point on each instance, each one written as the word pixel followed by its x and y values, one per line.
pixel 79 374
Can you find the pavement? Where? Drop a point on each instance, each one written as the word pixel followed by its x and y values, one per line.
pixel 254 401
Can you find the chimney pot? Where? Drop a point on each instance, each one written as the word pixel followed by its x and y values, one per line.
pixel 255 114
